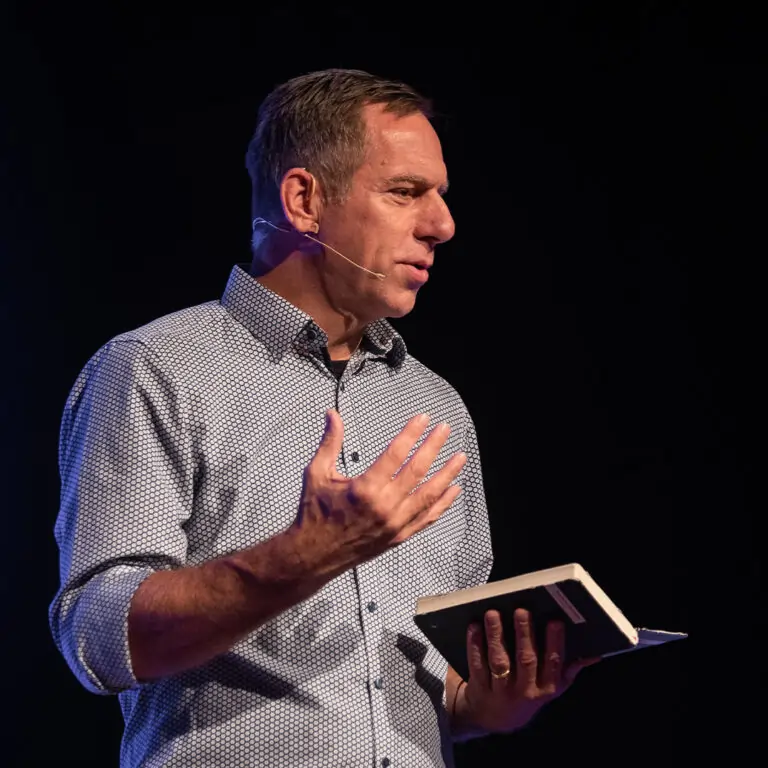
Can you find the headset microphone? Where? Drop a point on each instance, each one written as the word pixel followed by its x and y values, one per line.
pixel 260 220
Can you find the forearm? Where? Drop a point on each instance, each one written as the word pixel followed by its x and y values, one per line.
pixel 180 619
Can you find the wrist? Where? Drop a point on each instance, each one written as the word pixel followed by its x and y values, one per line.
pixel 278 568
pixel 452 708
pixel 463 724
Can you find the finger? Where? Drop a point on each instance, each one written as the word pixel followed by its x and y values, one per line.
pixel 330 443
pixel 427 497
pixel 476 659
pixel 552 671
pixel 526 660
pixel 417 467
pixel 386 465
pixel 573 669
pixel 430 514
pixel 499 663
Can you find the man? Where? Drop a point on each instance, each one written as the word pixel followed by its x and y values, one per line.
pixel 252 498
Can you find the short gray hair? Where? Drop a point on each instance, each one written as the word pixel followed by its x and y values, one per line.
pixel 315 121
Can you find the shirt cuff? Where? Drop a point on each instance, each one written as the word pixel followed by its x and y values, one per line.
pixel 95 635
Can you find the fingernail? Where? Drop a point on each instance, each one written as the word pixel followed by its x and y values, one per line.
pixel 422 419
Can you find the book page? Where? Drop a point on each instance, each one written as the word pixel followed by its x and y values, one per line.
pixel 648 637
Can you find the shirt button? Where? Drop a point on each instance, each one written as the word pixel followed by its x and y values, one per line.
pixel 342 386
pixel 311 334
pixel 385 761
pixel 378 683
pixel 371 606
pixel 355 456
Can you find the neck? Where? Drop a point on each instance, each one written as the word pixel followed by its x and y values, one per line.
pixel 297 279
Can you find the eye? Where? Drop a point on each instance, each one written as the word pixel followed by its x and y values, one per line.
pixel 403 192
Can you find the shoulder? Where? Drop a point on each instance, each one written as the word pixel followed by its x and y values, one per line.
pixel 435 388
pixel 176 339
pixel 161 349
pixel 425 376
pixel 196 325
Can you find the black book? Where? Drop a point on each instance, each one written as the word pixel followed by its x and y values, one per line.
pixel 595 627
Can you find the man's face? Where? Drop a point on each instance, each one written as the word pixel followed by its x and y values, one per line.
pixel 392 219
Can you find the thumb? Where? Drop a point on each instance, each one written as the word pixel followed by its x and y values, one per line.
pixel 331 441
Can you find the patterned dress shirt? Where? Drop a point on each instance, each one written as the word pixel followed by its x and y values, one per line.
pixel 185 440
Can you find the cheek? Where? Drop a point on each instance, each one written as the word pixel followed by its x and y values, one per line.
pixel 392 241
pixel 378 236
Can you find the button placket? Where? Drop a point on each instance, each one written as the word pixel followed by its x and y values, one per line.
pixel 370 612
pixel 351 457
pixel 371 618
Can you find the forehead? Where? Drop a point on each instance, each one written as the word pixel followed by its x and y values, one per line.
pixel 399 146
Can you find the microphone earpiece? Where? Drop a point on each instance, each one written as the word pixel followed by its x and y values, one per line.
pixel 316 228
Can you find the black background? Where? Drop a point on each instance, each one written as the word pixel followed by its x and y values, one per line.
pixel 596 308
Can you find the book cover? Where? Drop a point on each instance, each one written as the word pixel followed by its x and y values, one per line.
pixel 594 625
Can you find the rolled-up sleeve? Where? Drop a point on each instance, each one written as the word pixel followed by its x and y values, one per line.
pixel 475 553
pixel 127 478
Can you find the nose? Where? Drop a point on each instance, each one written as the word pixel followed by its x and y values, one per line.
pixel 436 224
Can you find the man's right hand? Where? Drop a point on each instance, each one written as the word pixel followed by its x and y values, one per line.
pixel 345 521
pixel 183 617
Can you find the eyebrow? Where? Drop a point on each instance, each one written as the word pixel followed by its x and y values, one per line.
pixel 418 181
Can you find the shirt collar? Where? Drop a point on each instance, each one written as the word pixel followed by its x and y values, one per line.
pixel 280 325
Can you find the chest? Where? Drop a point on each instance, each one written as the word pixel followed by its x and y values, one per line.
pixel 257 427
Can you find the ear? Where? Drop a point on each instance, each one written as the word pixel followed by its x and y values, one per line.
pixel 300 198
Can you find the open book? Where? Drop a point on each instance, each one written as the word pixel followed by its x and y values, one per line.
pixel 594 625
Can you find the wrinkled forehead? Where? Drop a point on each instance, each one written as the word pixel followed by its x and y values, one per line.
pixel 402 146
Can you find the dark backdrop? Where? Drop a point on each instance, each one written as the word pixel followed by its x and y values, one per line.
pixel 595 307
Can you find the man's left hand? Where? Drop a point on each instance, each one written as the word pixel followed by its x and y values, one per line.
pixel 503 695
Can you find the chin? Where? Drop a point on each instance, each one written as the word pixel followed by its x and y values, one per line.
pixel 401 305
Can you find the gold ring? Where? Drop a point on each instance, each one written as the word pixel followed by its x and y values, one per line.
pixel 501 675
